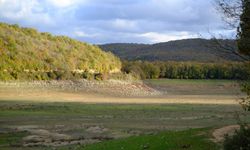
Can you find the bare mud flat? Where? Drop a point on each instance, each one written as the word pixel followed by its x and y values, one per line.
pixel 36 136
pixel 111 88
pixel 77 113
pixel 121 92
pixel 219 134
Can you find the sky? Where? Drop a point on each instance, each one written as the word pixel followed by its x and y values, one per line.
pixel 117 21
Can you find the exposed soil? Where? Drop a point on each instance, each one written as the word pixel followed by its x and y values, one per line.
pixel 113 88
pixel 111 91
pixel 81 128
pixel 43 137
pixel 93 134
pixel 219 134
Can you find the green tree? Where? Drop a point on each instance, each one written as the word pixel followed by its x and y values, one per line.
pixel 244 46
pixel 236 13
pixel 244 29
pixel 240 140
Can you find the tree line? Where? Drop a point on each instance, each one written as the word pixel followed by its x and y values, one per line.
pixel 185 70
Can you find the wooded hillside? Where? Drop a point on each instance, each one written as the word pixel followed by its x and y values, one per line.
pixel 27 50
pixel 200 50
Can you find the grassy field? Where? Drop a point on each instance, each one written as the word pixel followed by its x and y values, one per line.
pixel 189 81
pixel 87 123
pixel 197 87
pixel 193 139
pixel 190 139
pixel 32 124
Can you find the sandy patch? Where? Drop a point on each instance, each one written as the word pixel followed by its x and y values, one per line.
pixel 43 137
pixel 219 134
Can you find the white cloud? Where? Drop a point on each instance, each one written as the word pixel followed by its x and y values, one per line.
pixel 155 37
pixel 83 34
pixel 25 11
pixel 124 24
pixel 105 21
pixel 64 3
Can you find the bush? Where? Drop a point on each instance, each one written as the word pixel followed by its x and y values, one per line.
pixel 14 75
pixel 76 75
pixel 51 75
pixel 239 141
pixel 5 76
pixel 63 75
pixel 245 102
pixel 123 76
pixel 88 76
pixel 41 76
pixel 101 76
pixel 60 75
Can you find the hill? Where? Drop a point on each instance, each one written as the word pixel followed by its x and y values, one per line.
pixel 200 50
pixel 27 50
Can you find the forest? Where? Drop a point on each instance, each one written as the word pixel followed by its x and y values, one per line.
pixel 185 70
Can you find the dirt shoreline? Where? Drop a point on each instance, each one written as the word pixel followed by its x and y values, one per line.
pixel 113 91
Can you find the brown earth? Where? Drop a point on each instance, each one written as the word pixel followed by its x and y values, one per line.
pixel 37 136
pixel 111 91
pixel 219 134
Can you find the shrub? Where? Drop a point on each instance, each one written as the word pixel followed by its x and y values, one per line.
pixel 101 76
pixel 76 75
pixel 41 76
pixel 30 32
pixel 122 76
pixel 88 76
pixel 14 75
pixel 22 75
pixel 51 75
pixel 245 102
pixel 63 75
pixel 239 141
pixel 5 76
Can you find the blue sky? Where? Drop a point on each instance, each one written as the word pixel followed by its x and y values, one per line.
pixel 111 21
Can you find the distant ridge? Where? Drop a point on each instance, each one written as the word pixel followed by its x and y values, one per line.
pixel 200 50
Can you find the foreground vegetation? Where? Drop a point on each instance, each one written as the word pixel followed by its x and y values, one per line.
pixel 236 15
pixel 131 126
pixel 195 139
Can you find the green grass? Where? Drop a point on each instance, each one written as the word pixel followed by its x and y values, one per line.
pixel 11 139
pixel 11 109
pixel 179 87
pixel 189 81
pixel 141 116
pixel 191 139
pixel 171 121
